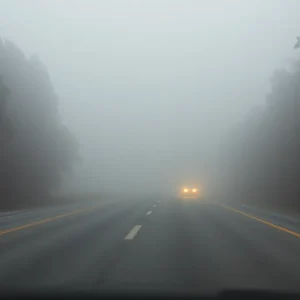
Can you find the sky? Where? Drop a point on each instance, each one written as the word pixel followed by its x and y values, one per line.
pixel 149 88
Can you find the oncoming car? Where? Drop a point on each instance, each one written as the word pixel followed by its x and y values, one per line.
pixel 191 192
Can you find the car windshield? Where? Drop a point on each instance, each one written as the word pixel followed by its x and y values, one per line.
pixel 150 145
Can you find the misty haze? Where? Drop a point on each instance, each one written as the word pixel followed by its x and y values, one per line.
pixel 150 146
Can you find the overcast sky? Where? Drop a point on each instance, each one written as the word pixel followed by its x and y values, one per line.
pixel 150 87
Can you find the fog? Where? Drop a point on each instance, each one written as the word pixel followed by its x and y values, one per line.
pixel 151 88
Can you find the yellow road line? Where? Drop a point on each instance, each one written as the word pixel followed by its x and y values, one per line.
pixel 42 221
pixel 263 221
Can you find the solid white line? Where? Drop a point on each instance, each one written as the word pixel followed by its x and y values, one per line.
pixel 132 233
pixel 149 212
pixel 15 214
pixel 11 212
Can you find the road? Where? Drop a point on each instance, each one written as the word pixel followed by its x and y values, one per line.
pixel 158 245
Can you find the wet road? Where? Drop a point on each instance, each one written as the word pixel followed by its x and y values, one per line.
pixel 158 245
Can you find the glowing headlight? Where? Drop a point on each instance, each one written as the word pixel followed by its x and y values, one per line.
pixel 194 190
pixel 185 190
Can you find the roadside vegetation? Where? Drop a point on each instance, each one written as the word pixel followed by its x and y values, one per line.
pixel 37 150
pixel 260 160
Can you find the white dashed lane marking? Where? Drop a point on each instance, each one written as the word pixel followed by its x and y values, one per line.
pixel 133 232
pixel 149 212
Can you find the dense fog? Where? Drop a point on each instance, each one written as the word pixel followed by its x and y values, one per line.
pixel 142 97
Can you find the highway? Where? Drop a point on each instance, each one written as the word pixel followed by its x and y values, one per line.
pixel 157 245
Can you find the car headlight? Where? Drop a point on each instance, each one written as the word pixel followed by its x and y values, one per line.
pixel 194 190
pixel 186 190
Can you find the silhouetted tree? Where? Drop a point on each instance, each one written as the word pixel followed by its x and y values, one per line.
pixel 39 150
pixel 263 162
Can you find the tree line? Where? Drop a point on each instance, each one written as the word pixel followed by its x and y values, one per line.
pixel 260 160
pixel 37 150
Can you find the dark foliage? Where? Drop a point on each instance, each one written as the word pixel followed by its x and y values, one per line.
pixel 36 148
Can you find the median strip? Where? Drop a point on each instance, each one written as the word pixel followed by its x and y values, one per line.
pixel 263 221
pixel 6 231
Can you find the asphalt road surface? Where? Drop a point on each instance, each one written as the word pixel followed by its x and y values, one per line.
pixel 157 245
